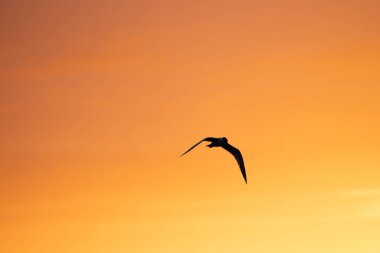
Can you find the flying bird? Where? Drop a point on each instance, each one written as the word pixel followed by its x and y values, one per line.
pixel 223 142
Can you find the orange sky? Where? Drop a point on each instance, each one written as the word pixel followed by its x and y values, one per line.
pixel 98 99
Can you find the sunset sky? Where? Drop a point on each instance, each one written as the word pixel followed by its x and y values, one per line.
pixel 99 98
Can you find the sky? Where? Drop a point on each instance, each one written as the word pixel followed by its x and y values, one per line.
pixel 99 98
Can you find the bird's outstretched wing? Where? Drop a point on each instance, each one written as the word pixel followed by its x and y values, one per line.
pixel 211 139
pixel 239 158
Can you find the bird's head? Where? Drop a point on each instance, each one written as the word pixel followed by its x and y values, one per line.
pixel 225 139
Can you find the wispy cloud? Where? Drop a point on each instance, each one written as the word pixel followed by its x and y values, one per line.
pixel 367 202
pixel 361 193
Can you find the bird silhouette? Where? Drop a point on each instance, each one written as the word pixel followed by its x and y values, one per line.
pixel 223 142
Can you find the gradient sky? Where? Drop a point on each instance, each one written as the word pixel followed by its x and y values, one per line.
pixel 98 99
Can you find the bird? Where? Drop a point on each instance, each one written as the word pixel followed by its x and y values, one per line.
pixel 223 142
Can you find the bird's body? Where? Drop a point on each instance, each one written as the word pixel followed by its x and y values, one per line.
pixel 217 142
pixel 223 142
